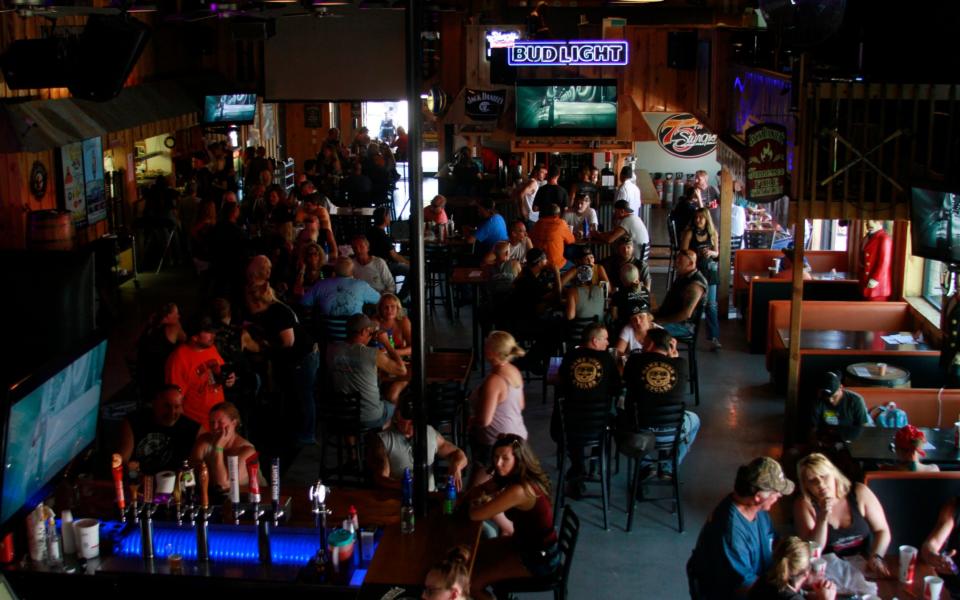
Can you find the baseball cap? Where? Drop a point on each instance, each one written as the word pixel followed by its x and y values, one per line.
pixel 762 475
pixel 622 205
pixel 641 307
pixel 198 324
pixel 358 323
pixel 535 255
pixel 910 438
pixel 830 383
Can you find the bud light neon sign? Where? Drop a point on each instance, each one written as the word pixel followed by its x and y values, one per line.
pixel 578 53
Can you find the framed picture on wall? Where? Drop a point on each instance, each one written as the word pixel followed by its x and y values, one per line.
pixel 72 182
pixel 703 77
pixel 312 116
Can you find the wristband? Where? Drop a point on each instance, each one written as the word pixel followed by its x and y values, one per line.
pixel 218 449
pixel 877 556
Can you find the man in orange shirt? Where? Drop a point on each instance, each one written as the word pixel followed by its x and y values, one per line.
pixel 551 234
pixel 197 368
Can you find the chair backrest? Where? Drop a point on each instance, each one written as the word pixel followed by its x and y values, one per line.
pixel 758 238
pixel 583 422
pixel 444 400
pixel 343 411
pixel 736 242
pixel 575 329
pixel 698 317
pixel 567 541
pixel 672 233
pixel 667 419
pixel 438 258
pixel 331 328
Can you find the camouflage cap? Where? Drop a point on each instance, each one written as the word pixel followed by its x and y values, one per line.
pixel 762 475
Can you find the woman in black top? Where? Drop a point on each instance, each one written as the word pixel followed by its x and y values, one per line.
pixel 701 237
pixel 791 573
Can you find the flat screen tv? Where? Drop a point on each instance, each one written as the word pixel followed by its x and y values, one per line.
pixel 935 224
pixel 51 417
pixel 234 109
pixel 567 107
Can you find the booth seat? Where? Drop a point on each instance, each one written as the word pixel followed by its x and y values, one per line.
pixel 745 261
pixel 912 501
pixel 925 407
pixel 764 291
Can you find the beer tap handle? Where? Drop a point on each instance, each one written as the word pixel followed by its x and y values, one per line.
pixel 147 489
pixel 204 483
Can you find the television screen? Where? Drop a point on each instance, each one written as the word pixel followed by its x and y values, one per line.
pixel 49 422
pixel 935 224
pixel 229 108
pixel 573 107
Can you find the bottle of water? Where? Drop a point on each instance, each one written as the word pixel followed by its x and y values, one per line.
pixel 450 500
pixel 407 517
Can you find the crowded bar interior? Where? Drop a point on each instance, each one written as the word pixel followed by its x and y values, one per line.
pixel 444 299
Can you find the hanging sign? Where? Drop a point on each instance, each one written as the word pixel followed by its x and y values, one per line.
pixel 683 136
pixel 576 53
pixel 766 162
pixel 484 105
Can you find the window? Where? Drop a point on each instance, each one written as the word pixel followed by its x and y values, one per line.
pixel 934 272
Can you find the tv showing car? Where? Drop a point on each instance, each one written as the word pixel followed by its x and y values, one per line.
pixel 935 224
pixel 234 109
pixel 567 107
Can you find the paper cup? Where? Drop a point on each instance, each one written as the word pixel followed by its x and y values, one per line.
pixel 932 587
pixel 165 482
pixel 818 567
pixel 88 537
pixel 908 563
pixel 815 550
pixel 881 369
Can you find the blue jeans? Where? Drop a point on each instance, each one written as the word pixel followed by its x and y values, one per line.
pixel 388 410
pixel 305 382
pixel 713 318
pixel 688 433
pixel 678 329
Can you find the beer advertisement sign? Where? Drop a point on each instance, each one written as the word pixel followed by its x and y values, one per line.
pixel 484 105
pixel 766 162
pixel 683 136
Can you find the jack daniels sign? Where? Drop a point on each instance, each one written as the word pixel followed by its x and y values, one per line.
pixel 484 105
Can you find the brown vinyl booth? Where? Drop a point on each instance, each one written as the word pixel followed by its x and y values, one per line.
pixel 912 502
pixel 925 407
pixel 748 261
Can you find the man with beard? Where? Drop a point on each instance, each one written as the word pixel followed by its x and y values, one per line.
pixel 195 367
pixel 158 438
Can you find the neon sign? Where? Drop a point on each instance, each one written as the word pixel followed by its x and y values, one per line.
pixel 582 53
pixel 502 39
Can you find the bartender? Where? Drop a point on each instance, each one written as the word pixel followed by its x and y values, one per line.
pixel 876 252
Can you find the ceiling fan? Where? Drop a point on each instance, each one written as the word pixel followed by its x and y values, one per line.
pixel 47 9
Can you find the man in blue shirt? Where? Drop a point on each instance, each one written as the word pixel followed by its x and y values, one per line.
pixel 493 229
pixel 735 546
pixel 341 296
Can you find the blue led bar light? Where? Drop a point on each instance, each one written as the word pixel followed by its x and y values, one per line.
pixel 574 53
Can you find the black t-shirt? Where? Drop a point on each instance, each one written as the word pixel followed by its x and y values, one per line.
pixel 624 300
pixel 841 422
pixel 271 322
pixel 550 194
pixel 589 375
pixel 529 292
pixel 381 243
pixel 652 379
pixel 160 448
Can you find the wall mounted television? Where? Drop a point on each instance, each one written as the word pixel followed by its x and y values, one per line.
pixel 935 224
pixel 51 418
pixel 233 109
pixel 567 107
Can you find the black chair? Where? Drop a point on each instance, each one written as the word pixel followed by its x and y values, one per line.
pixel 585 426
pixel 690 343
pixel 555 582
pixel 573 336
pixel 446 409
pixel 438 267
pixel 668 421
pixel 330 329
pixel 758 239
pixel 340 417
pixel 674 248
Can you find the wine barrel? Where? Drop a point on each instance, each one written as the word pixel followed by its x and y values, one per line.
pixel 50 230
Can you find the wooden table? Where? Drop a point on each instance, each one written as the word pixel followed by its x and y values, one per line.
pixel 749 276
pixel 404 559
pixel 875 444
pixel 838 339
pixel 444 367
pixel 892 588
pixel 867 374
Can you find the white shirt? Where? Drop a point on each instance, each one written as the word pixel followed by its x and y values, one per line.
pixel 738 221
pixel 576 221
pixel 629 191
pixel 635 228
pixel 534 216
pixel 518 251
pixel 377 274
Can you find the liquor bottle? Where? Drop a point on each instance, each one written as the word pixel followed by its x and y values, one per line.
pixel 608 178
pixel 407 517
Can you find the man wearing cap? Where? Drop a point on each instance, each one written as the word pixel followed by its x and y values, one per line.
pixel 623 253
pixel 551 234
pixel 195 368
pixel 735 546
pixel 391 451
pixel 627 224
pixel 353 366
pixel 838 414
pixel 628 190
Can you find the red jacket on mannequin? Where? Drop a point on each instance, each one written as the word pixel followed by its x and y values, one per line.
pixel 876 254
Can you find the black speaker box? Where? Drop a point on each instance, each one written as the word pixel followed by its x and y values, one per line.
pixel 33 64
pixel 682 49
pixel 108 50
pixel 500 72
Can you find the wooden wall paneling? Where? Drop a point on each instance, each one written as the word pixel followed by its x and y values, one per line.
pixel 474 43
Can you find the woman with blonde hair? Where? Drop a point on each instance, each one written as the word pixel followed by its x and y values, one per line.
pixel 498 402
pixel 395 327
pixel 790 573
pixel 841 517
pixel 450 578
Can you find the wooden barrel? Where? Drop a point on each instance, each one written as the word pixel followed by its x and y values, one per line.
pixel 867 374
pixel 50 230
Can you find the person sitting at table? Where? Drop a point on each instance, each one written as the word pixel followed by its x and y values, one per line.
pixel 158 438
pixel 501 271
pixel 394 324
pixel 435 213
pixel 492 228
pixel 908 444
pixel 686 292
pixel 623 254
pixel 584 299
pixel 520 490
pixel 310 270
pixel 551 234
pixel 701 237
pixel 369 268
pixel 383 245
pixel 220 442
pixel 633 336
pixel 583 256
pixel 340 296
pixel 449 579
pixel 581 213
pixel 790 574
pixel 354 368
pixel 533 309
pixel 391 451
pixel 735 546
pixel 519 241
pixel 626 224
pixel 838 414
pixel 786 266
pixel 841 517
pixel 312 233
pixel 940 547
pixel 628 297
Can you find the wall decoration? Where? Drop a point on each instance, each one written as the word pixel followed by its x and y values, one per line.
pixel 71 173
pixel 766 162
pixel 38 180
pixel 582 53
pixel 683 136
pixel 484 105
pixel 312 116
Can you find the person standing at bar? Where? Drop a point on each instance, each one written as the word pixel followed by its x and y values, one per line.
pixel 876 254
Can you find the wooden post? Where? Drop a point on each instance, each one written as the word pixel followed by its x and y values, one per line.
pixel 726 215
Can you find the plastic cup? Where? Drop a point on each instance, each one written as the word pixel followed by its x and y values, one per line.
pixel 815 550
pixel 818 567
pixel 881 369
pixel 341 541
pixel 932 587
pixel 908 564
pixel 165 481
pixel 175 561
pixel 88 537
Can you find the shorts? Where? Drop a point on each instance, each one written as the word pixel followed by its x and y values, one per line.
pixel 541 562
pixel 388 409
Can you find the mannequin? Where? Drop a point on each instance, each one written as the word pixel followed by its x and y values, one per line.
pixel 876 253
pixel 950 326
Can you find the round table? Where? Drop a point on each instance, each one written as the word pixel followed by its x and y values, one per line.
pixel 867 374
